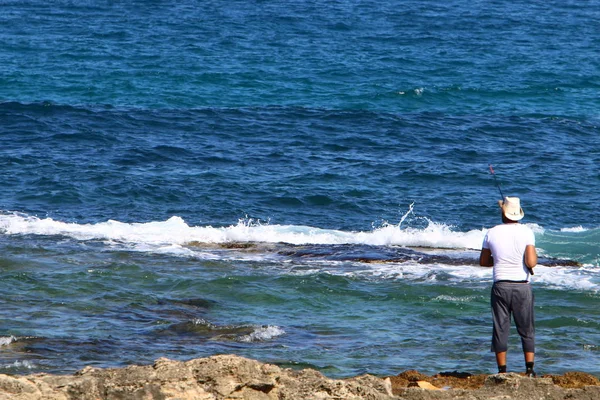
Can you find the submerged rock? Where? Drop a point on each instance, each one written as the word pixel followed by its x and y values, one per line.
pixel 233 377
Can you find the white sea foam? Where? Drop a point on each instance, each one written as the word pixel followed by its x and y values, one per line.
pixel 583 278
pixel 556 277
pixel 575 229
pixel 6 340
pixel 455 299
pixel 417 272
pixel 170 235
pixel 536 228
pixel 19 365
pixel 262 334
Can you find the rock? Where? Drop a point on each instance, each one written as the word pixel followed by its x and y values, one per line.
pixel 575 380
pixel 508 386
pixel 228 377
pixel 426 385
pixel 217 377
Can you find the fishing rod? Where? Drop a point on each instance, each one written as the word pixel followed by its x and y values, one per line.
pixel 502 195
pixel 496 180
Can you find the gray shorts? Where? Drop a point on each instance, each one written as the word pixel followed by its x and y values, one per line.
pixel 514 299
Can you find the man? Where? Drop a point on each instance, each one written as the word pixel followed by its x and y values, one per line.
pixel 510 249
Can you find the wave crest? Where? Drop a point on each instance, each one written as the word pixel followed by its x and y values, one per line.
pixel 175 231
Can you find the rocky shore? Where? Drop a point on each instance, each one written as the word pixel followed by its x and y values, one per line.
pixel 233 377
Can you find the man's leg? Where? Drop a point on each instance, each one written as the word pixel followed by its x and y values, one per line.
pixel 501 318
pixel 501 362
pixel 524 320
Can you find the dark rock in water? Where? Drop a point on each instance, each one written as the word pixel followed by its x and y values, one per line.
pixel 233 377
pixel 351 252
pixel 556 262
pixel 456 374
pixel 199 303
pixel 365 253
pixel 193 302
pixel 238 245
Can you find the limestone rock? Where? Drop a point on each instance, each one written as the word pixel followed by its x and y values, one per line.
pixel 228 377
pixel 212 378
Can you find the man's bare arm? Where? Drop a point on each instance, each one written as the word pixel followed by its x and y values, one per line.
pixel 485 258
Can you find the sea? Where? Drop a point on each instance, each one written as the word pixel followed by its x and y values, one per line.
pixel 300 182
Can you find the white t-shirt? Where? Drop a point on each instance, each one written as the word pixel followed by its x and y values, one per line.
pixel 507 243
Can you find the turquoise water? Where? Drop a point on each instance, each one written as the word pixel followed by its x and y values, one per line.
pixel 300 183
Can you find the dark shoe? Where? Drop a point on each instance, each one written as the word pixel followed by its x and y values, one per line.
pixel 530 373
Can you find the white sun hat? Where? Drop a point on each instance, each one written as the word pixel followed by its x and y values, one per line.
pixel 511 207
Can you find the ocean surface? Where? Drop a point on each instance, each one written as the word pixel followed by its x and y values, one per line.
pixel 303 183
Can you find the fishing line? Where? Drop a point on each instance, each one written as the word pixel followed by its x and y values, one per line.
pixel 497 184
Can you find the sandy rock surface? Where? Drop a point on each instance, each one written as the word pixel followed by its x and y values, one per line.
pixel 233 377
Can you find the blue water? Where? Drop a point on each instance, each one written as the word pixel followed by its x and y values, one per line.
pixel 301 183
